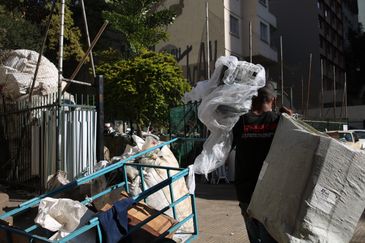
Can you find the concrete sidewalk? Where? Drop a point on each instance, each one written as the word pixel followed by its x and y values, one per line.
pixel 219 216
pixel 220 220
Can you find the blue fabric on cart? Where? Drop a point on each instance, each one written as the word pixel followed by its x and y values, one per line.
pixel 114 222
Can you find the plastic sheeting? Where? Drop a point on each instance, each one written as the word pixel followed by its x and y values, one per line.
pixel 17 73
pixel 224 98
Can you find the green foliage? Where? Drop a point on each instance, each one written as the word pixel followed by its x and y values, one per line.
pixel 140 23
pixel 20 22
pixel 72 35
pixel 142 89
pixel 16 32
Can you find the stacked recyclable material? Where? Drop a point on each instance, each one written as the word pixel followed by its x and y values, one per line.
pixel 311 187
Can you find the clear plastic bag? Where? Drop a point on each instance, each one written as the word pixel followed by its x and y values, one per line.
pixel 236 83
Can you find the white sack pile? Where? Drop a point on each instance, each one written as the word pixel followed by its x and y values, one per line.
pixel 224 98
pixel 64 216
pixel 152 176
pixel 311 187
pixel 17 72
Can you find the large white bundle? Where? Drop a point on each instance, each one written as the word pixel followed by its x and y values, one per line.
pixel 160 199
pixel 17 73
pixel 227 96
pixel 311 187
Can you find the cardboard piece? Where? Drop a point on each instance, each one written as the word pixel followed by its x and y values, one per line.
pixel 141 212
pixel 311 187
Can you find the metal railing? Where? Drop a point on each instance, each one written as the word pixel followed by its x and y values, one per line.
pixel 94 222
pixel 28 138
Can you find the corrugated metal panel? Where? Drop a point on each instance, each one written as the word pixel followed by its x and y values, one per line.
pixel 30 134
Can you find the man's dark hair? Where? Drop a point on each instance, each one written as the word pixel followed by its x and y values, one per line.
pixel 264 94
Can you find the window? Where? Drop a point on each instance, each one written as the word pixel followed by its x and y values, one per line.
pixel 326 29
pixel 234 26
pixel 264 32
pixel 320 23
pixel 360 134
pixel 263 2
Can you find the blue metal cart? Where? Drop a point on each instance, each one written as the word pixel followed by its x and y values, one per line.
pixel 10 234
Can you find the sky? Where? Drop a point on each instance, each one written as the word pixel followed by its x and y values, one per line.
pixel 361 4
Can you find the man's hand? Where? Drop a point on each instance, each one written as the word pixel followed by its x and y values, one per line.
pixel 286 110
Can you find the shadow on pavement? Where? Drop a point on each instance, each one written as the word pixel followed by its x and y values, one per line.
pixel 216 192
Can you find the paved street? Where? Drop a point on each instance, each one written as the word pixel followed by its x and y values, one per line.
pixel 220 219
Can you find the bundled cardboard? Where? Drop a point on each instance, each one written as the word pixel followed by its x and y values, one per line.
pixel 311 187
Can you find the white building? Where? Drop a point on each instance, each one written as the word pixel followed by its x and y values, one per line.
pixel 228 33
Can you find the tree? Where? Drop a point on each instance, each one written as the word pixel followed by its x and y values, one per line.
pixel 139 22
pixel 142 89
pixel 16 32
pixel 72 35
pixel 23 22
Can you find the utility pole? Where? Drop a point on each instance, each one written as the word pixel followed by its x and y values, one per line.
pixel 208 40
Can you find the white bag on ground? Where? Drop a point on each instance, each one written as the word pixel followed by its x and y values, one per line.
pixel 65 216
pixel 17 73
pixel 220 109
pixel 311 187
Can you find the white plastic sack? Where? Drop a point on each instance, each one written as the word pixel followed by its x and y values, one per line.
pixel 222 107
pixel 162 198
pixel 57 180
pixel 99 184
pixel 17 73
pixel 65 216
pixel 152 176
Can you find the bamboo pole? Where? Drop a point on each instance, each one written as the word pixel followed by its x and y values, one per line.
pixel 303 96
pixel 250 40
pixel 88 37
pixel 282 70
pixel 321 98
pixel 334 92
pixel 77 69
pixel 208 37
pixel 41 52
pixel 345 90
pixel 309 83
pixel 59 94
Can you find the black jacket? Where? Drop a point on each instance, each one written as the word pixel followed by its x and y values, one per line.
pixel 252 136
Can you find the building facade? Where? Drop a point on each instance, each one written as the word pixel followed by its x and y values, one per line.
pixel 317 32
pixel 228 22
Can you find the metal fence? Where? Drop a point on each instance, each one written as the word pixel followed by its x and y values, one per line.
pixel 184 123
pixel 28 138
pixel 323 126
